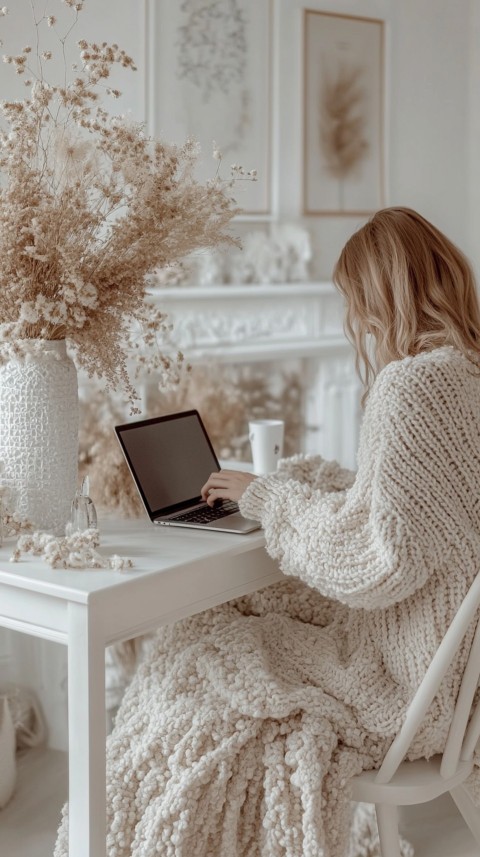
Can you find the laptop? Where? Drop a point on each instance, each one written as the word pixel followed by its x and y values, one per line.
pixel 170 459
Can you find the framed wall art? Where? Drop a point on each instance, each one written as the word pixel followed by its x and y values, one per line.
pixel 211 79
pixel 343 114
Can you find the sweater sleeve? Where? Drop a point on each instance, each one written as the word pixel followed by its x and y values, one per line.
pixel 377 542
pixel 323 475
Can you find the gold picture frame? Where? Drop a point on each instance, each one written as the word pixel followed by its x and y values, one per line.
pixel 343 114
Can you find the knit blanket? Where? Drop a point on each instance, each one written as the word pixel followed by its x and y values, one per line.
pixel 227 744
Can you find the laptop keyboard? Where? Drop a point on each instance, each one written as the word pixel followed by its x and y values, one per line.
pixel 208 513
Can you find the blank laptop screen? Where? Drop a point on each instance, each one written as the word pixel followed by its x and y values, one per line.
pixel 170 458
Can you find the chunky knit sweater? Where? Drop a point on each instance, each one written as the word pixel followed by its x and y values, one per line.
pixel 242 729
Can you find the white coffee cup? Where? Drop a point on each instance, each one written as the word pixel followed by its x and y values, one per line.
pixel 266 439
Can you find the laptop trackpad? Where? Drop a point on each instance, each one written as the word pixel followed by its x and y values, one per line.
pixel 235 521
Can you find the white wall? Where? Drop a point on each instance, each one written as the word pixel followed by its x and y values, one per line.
pixel 429 129
pixel 473 160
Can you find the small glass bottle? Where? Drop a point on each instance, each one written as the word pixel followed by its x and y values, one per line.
pixel 83 513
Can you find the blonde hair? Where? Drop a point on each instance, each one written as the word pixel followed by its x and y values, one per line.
pixel 410 287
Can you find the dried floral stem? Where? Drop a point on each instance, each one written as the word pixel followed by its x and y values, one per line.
pixel 343 121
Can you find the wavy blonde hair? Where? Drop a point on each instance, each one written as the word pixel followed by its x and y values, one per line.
pixel 410 287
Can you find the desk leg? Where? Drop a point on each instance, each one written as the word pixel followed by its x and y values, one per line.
pixel 86 733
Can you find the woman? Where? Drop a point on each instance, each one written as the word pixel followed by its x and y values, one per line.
pixel 244 725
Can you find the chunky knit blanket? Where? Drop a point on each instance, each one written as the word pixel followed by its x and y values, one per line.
pixel 242 728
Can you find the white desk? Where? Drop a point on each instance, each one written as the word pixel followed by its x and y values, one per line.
pixel 178 572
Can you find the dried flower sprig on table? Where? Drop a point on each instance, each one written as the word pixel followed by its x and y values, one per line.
pixel 89 205
pixel 14 525
pixel 77 550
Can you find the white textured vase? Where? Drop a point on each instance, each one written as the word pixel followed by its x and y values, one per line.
pixel 39 434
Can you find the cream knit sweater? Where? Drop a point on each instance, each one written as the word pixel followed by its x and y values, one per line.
pixel 242 728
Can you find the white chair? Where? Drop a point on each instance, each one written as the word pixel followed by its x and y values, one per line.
pixel 402 783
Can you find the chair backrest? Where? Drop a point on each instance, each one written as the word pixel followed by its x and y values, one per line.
pixel 461 740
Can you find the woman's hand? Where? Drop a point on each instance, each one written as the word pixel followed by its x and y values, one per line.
pixel 226 485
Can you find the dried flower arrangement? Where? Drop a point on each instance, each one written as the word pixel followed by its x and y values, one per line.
pixel 227 397
pixel 89 205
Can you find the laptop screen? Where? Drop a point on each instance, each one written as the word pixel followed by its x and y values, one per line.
pixel 170 459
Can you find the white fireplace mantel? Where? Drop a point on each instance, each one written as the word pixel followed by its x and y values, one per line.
pixel 246 323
